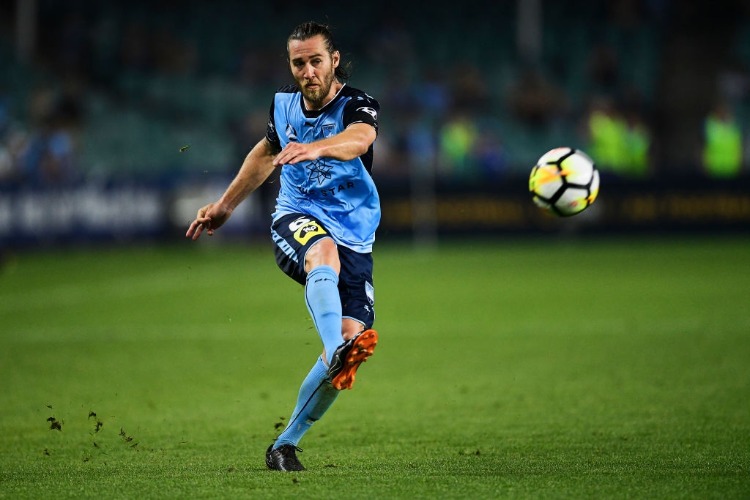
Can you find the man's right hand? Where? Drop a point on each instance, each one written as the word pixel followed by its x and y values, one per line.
pixel 209 218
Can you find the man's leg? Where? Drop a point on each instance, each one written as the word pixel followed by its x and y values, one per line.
pixel 324 305
pixel 323 296
pixel 358 301
pixel 316 395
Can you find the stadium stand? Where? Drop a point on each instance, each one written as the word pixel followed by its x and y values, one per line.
pixel 153 77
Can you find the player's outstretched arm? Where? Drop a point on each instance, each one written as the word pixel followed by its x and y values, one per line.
pixel 347 145
pixel 254 171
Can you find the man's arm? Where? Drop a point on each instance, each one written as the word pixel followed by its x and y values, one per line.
pixel 254 171
pixel 347 145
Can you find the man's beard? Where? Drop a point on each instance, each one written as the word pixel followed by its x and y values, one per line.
pixel 317 95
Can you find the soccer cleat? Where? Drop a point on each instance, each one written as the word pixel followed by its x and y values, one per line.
pixel 283 458
pixel 349 356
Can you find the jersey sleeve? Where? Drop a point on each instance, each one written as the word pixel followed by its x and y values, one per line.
pixel 271 135
pixel 361 108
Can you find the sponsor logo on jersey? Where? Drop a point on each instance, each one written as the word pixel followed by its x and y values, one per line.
pixel 333 191
pixel 298 223
pixel 370 111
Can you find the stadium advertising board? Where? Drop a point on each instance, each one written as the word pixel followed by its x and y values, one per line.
pixel 130 212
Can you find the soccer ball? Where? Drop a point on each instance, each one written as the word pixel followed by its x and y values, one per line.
pixel 564 181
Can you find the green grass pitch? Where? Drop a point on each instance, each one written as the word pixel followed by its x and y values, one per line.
pixel 511 369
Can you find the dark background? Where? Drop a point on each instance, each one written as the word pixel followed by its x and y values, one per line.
pixel 145 109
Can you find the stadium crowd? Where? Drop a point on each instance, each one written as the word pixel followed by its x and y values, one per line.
pixel 112 88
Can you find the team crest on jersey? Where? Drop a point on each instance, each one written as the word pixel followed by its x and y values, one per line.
pixel 304 229
pixel 328 129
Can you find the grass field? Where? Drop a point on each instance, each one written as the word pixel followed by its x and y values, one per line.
pixel 523 369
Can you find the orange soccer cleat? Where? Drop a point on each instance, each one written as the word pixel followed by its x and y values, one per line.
pixel 349 356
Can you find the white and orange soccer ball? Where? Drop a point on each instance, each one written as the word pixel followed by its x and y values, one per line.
pixel 564 181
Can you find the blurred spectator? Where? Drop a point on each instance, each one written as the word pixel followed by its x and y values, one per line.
pixel 469 92
pixel 722 148
pixel 637 145
pixel 6 164
pixel 432 93
pixel 490 156
pixel 49 158
pixel 398 95
pixel 458 138
pixel 48 155
pixel 410 144
pixel 11 143
pixel 619 141
pixel 421 144
pixel 607 135
pixel 12 148
pixel 604 69
pixel 6 160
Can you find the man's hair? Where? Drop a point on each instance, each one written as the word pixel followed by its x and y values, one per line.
pixel 310 29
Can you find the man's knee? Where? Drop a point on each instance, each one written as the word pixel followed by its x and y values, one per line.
pixel 323 253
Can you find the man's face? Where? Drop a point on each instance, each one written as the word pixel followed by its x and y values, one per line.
pixel 313 69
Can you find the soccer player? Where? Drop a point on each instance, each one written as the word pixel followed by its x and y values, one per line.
pixel 320 134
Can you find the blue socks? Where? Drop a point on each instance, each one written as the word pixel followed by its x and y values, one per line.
pixel 324 304
pixel 317 394
pixel 315 397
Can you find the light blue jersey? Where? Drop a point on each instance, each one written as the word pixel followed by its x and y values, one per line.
pixel 340 194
